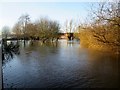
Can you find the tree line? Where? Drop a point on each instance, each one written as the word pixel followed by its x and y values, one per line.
pixel 100 32
pixel 43 29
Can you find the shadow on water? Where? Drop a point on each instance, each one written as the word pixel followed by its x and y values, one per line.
pixel 8 50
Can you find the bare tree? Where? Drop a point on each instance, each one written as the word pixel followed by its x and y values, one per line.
pixel 66 26
pixel 5 32
pixel 107 24
pixel 102 32
pixel 17 30
pixel 69 26
pixel 24 20
pixel 32 31
pixel 48 30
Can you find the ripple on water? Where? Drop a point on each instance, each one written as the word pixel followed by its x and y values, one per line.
pixel 65 65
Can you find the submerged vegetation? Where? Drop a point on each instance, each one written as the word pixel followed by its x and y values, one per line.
pixel 101 32
pixel 8 50
pixel 43 29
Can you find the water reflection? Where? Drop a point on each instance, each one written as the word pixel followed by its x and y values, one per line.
pixel 105 67
pixel 62 64
pixel 8 50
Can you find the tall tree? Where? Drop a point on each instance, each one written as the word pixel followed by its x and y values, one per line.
pixel 24 20
pixel 17 30
pixel 69 26
pixel 48 29
pixel 103 31
pixel 107 24
pixel 5 32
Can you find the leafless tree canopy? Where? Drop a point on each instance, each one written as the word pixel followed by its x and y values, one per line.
pixel 105 26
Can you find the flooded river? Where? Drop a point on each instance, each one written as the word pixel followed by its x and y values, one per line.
pixel 62 64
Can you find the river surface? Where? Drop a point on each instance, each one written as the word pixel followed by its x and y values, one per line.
pixel 63 64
